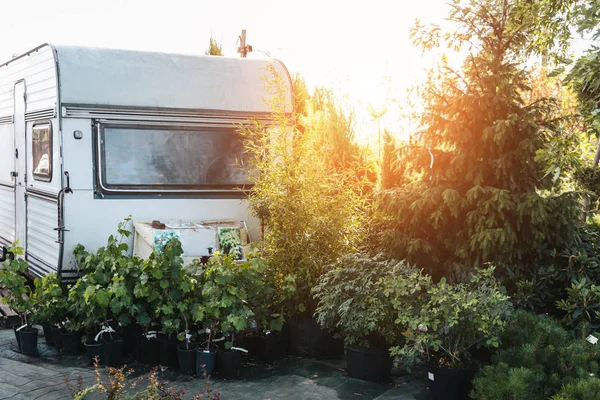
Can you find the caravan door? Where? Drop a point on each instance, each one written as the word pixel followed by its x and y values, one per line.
pixel 20 166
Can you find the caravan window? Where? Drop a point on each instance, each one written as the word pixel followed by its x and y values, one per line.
pixel 139 157
pixel 41 151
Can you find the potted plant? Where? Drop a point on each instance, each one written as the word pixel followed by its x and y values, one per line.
pixel 72 327
pixel 243 281
pixel 266 338
pixel 355 306
pixel 222 305
pixel 49 298
pixel 174 307
pixel 17 296
pixel 445 324
pixel 98 293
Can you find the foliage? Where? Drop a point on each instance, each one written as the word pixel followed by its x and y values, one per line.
pixel 445 323
pixel 353 302
pixel 230 242
pixel 226 289
pixel 582 302
pixel 12 278
pixel 116 384
pixel 583 389
pixel 175 286
pixel 472 191
pixel 307 189
pixel 538 357
pixel 270 302
pixel 50 299
pixel 553 287
pixel 214 48
pixel 106 288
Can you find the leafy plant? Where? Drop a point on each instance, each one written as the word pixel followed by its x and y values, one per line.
pixel 582 303
pixel 354 303
pixel 18 292
pixel 50 299
pixel 309 187
pixel 226 289
pixel 445 323
pixel 105 291
pixel 230 242
pixel 271 302
pixel 117 384
pixel 176 287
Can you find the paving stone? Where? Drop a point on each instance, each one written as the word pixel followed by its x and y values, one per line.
pixel 43 377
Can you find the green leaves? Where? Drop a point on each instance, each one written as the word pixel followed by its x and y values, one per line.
pixel 472 186
pixel 311 185
pixel 18 293
pixel 444 322
pixel 355 302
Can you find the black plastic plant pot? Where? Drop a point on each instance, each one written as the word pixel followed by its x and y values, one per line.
pixel 148 351
pixel 47 334
pixel 267 348
pixel 449 384
pixel 95 350
pixel 228 364
pixel 309 340
pixel 126 333
pixel 17 336
pixel 205 362
pixel 71 341
pixel 369 364
pixel 28 340
pixel 187 358
pixel 113 352
pixel 56 337
pixel 167 347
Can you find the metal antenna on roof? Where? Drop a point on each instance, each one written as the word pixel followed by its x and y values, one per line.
pixel 243 49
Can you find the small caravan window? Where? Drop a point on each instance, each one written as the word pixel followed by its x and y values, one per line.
pixel 159 158
pixel 41 151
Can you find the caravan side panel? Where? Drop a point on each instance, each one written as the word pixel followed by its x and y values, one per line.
pixel 36 72
pixel 7 191
pixel 42 238
pixel 39 71
pixel 7 215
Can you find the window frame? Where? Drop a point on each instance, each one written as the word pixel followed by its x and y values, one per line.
pixel 48 177
pixel 104 188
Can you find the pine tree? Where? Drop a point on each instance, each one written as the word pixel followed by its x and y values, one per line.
pixel 475 192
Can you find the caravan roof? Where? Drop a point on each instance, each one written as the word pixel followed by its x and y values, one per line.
pixel 126 78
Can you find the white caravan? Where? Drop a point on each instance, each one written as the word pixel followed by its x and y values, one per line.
pixel 90 136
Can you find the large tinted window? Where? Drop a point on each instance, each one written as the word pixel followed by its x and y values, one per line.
pixel 157 156
pixel 41 151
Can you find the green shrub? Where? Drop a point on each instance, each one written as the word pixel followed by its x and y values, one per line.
pixel 226 290
pixel 12 278
pixel 354 303
pixel 309 188
pixel 445 323
pixel 50 299
pixel 537 359
pixel 583 389
pixel 106 289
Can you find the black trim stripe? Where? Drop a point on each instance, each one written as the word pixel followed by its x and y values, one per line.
pixel 48 113
pixel 43 195
pixel 38 267
pixel 6 120
pixel 4 241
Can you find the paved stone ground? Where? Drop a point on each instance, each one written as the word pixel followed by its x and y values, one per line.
pixel 42 377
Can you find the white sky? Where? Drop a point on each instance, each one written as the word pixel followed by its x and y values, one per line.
pixel 359 47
